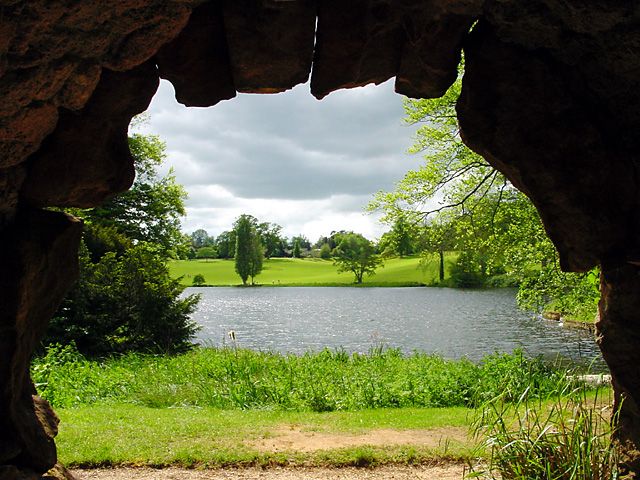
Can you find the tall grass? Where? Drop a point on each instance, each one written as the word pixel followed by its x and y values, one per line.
pixel 565 437
pixel 229 378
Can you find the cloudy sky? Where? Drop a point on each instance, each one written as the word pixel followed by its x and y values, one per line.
pixel 307 165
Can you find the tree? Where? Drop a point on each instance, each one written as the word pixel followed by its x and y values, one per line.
pixel 325 251
pixel 200 238
pixel 226 244
pixel 477 212
pixel 272 240
pixel 296 248
pixel 399 240
pixel 125 303
pixel 257 255
pixel 249 250
pixel 435 239
pixel 207 252
pixel 151 210
pixel 356 254
pixel 402 237
pixel 304 242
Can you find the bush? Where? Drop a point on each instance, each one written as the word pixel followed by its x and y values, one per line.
pixel 325 251
pixel 465 273
pixel 125 303
pixel 198 280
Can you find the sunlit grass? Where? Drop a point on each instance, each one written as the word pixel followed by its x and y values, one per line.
pixel 308 272
pixel 136 435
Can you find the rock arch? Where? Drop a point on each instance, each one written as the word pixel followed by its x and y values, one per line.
pixel 550 97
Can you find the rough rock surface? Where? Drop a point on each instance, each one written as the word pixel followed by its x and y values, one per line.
pixel 38 262
pixel 551 97
pixel 370 41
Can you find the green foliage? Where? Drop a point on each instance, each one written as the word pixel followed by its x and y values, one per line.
pixel 200 238
pixel 207 252
pixel 249 249
pixel 198 280
pixel 226 244
pixel 296 249
pixel 151 210
pixel 456 201
pixel 325 251
pixel 232 378
pixel 356 254
pixel 567 436
pixel 465 273
pixel 271 237
pixel 125 303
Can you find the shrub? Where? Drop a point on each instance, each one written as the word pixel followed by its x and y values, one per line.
pixel 125 303
pixel 198 280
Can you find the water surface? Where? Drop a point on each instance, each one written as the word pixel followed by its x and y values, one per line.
pixel 452 322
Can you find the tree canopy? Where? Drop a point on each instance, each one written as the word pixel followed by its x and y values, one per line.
pixel 456 201
pixel 151 210
pixel 354 253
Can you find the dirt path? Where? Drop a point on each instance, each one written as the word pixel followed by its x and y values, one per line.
pixel 445 472
pixel 293 438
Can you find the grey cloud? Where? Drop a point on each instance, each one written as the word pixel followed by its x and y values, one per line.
pixel 295 154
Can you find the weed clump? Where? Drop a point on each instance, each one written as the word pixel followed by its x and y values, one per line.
pixel 566 436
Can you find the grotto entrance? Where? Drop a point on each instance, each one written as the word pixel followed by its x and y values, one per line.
pixel 550 98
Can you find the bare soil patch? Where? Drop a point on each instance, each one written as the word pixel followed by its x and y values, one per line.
pixel 293 438
pixel 443 472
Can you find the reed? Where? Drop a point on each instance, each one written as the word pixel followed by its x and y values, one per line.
pixel 563 437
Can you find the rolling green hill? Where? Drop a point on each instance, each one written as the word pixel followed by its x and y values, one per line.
pixel 311 272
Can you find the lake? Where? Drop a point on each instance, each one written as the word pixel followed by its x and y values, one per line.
pixel 452 322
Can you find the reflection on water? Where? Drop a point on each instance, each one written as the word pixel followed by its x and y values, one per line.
pixel 452 322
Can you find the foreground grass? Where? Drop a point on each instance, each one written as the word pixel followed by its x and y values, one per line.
pixel 230 378
pixel 215 408
pixel 136 435
pixel 308 272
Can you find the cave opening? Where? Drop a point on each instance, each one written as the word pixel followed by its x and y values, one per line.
pixel 550 98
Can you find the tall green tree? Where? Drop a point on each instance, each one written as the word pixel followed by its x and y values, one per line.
pixel 272 240
pixel 124 303
pixel 356 254
pixel 200 238
pixel 296 248
pixel 400 239
pixel 249 250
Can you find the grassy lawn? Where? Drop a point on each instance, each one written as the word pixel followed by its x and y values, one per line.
pixel 134 435
pixel 311 271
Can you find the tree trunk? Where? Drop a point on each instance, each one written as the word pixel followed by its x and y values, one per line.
pixel 441 271
pixel 618 335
